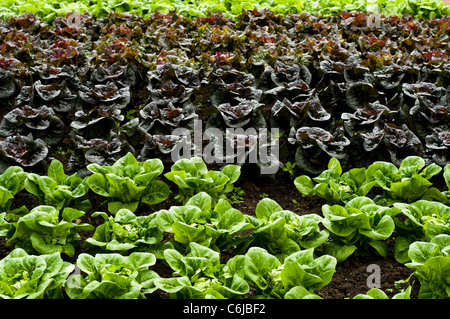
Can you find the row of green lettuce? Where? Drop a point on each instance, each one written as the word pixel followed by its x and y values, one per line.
pixel 49 9
pixel 277 253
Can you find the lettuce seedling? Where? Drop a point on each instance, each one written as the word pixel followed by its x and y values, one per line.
pixel 128 183
pixel 298 277
pixel 113 276
pixel 57 189
pixel 126 232
pixel 200 275
pixel 358 225
pixel 42 231
pixel 220 228
pixel 24 276
pixel 422 220
pixel 192 177
pixel 11 182
pixel 333 186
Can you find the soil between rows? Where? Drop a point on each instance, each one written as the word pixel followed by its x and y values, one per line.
pixel 350 278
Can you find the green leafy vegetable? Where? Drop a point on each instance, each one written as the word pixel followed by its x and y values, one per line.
pixel 126 232
pixel 200 275
pixel 220 228
pixel 24 276
pixel 128 183
pixel 112 276
pixel 42 231
pixel 192 177
pixel 57 189
pixel 333 186
pixel 299 276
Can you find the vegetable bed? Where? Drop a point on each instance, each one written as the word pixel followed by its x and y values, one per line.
pixel 93 204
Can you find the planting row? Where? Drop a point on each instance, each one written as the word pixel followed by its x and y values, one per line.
pixel 49 9
pixel 276 252
pixel 337 86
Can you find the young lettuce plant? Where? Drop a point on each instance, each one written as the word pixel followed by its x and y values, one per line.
pixel 24 151
pixel 431 262
pixel 11 182
pixel 199 275
pixel 57 189
pixel 408 183
pixel 422 220
pixel 125 232
pixel 333 186
pixel 24 276
pixel 283 232
pixel 42 231
pixel 297 277
pixel 375 293
pixel 358 225
pixel 40 122
pixel 221 228
pixel 113 276
pixel 128 183
pixel 192 177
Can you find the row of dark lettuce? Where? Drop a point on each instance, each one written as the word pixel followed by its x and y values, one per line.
pixel 356 86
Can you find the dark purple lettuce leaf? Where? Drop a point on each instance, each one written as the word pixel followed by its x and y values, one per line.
pixel 360 94
pixel 232 86
pixel 39 122
pixel 173 82
pixel 162 145
pixel 401 142
pixel 244 113
pixel 98 151
pixel 97 122
pixel 364 119
pixel 7 84
pixel 299 113
pixel 23 151
pixel 316 145
pixel 438 145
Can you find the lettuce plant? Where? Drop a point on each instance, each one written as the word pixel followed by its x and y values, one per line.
pixel 408 183
pixel 421 220
pixel 283 232
pixel 297 277
pixel 24 276
pixel 39 122
pixel 199 275
pixel 333 185
pixel 128 183
pixel 57 189
pixel 221 228
pixel 357 226
pixel 376 293
pixel 43 231
pixel 98 151
pixel 192 177
pixel 12 181
pixel 431 263
pixel 315 146
pixel 113 276
pixel 23 151
pixel 125 232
